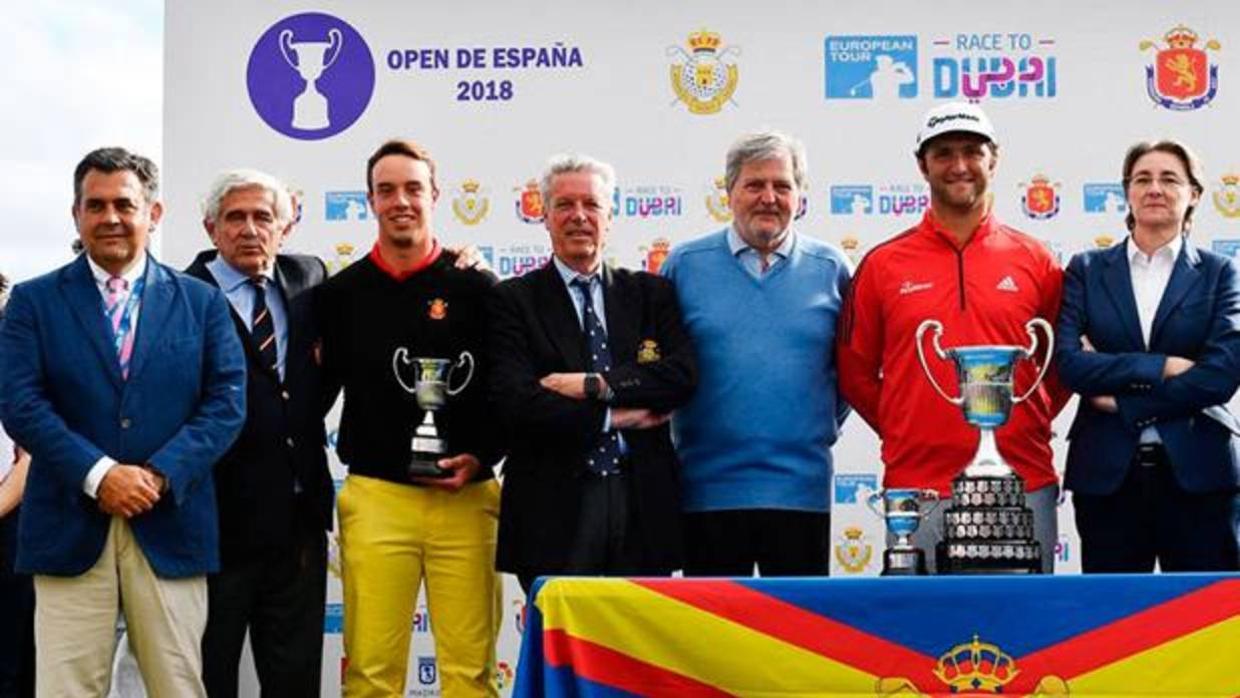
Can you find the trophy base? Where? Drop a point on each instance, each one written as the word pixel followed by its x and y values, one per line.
pixel 420 466
pixel 904 563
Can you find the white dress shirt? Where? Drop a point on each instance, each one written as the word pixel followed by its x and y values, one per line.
pixel 90 485
pixel 1150 274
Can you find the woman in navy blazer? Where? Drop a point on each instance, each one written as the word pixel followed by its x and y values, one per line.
pixel 1149 335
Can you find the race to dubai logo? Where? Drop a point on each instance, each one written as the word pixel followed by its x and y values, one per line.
pixel 1182 77
pixel 705 77
pixel 717 200
pixel 1040 200
pixel 1227 196
pixel 470 205
pixel 310 76
pixel 529 203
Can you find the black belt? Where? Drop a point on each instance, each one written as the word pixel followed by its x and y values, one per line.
pixel 1149 455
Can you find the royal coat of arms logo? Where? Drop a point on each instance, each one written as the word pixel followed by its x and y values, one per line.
pixel 1182 76
pixel 1040 200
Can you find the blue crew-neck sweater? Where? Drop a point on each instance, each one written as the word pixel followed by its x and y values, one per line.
pixel 758 431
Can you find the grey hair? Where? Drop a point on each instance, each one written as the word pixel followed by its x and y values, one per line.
pixel 765 145
pixel 232 180
pixel 576 162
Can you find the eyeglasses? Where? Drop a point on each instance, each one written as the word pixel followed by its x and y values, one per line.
pixel 1145 181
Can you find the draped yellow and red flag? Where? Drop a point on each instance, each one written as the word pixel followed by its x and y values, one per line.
pixel 1111 635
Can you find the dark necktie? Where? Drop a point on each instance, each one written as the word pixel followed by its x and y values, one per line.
pixel 262 328
pixel 604 457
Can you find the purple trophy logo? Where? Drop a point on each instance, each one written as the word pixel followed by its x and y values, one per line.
pixel 310 76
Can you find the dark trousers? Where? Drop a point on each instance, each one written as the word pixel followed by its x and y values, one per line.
pixel 782 543
pixel 606 541
pixel 1151 518
pixel 16 618
pixel 279 597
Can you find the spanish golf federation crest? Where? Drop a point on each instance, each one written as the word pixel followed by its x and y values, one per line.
pixel 1182 77
pixel 437 309
pixel 851 245
pixel 1041 198
pixel 529 203
pixel 853 551
pixel 717 201
pixel 470 205
pixel 344 257
pixel 1227 196
pixel 705 77
pixel 648 352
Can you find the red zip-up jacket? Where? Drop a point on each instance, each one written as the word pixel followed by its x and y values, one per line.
pixel 983 293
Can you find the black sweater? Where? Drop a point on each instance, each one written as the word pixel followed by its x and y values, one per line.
pixel 365 315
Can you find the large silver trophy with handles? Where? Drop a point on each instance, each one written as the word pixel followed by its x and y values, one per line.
pixel 987 528
pixel 432 389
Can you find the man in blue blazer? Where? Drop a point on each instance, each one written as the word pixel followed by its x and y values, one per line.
pixel 126 382
pixel 1149 335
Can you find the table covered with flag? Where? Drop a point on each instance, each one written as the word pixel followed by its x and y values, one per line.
pixel 1104 635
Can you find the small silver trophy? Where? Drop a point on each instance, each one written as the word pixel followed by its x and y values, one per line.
pixel 432 390
pixel 902 512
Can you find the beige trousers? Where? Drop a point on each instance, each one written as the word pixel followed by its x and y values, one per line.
pixel 75 625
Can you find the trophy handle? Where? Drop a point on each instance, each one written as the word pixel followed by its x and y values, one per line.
pixel 871 499
pixel 938 349
pixel 334 42
pixel 466 357
pixel 401 356
pixel 286 45
pixel 1033 347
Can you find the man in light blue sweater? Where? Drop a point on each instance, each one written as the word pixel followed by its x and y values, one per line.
pixel 760 302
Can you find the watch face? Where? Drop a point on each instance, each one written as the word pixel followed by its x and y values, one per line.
pixel 591 386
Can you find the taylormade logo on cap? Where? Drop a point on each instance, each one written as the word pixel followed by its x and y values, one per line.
pixel 955 117
pixel 936 120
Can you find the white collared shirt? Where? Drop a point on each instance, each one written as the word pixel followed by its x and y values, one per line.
pixel 90 485
pixel 1150 275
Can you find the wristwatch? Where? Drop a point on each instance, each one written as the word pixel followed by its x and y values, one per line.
pixel 593 388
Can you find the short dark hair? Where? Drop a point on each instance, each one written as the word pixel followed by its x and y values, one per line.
pixel 1192 166
pixel 115 160
pixel 400 146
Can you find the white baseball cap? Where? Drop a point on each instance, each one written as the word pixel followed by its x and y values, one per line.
pixel 954 117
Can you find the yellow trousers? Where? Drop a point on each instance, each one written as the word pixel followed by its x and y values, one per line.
pixel 392 537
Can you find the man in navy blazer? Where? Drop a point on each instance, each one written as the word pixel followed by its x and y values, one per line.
pixel 1149 335
pixel 126 382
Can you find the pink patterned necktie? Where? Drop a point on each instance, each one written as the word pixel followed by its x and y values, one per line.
pixel 119 311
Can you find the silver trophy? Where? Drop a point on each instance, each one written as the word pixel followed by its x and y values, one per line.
pixel 987 528
pixel 986 391
pixel 902 512
pixel 310 59
pixel 432 388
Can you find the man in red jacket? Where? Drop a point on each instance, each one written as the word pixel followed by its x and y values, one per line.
pixel 983 281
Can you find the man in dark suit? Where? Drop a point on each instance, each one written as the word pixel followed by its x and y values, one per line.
pixel 1149 335
pixel 125 381
pixel 588 361
pixel 273 488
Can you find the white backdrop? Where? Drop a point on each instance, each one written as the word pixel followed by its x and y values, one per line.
pixel 660 90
